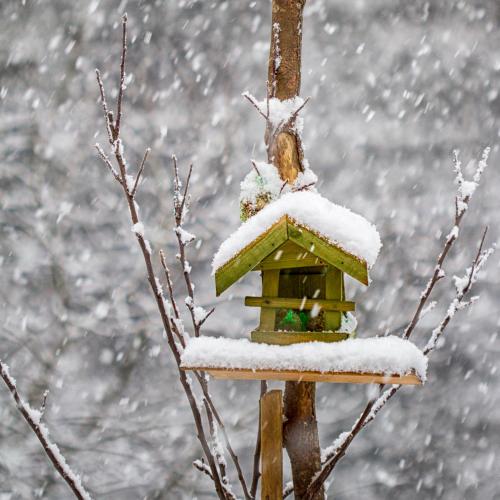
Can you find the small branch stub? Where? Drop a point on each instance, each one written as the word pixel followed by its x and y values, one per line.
pixel 285 148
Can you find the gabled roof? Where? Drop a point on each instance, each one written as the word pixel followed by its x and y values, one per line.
pixel 288 229
pixel 333 233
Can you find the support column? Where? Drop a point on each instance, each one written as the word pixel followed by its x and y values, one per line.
pixel 271 418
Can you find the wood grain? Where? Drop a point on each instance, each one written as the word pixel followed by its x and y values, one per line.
pixel 309 376
pixel 300 304
pixel 271 428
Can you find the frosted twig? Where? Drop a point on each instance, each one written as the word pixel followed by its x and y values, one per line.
pixel 256 456
pixel 254 165
pixel 44 403
pixel 107 116
pixel 450 238
pixel 373 407
pixel 169 284
pixel 253 101
pixel 211 411
pixel 108 164
pixel 152 278
pixel 121 89
pixel 141 169
pixel 33 419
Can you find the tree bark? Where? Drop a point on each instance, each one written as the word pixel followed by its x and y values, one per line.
pixel 283 82
pixel 301 437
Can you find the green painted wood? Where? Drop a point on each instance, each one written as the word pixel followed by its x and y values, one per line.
pixel 328 252
pixel 300 304
pixel 270 287
pixel 333 291
pixel 290 256
pixel 288 338
pixel 250 256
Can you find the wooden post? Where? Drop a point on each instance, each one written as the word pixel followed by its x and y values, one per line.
pixel 283 82
pixel 285 152
pixel 270 287
pixel 271 428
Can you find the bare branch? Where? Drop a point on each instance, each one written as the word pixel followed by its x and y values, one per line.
pixel 220 486
pixel 169 284
pixel 256 456
pixel 373 407
pixel 33 419
pixel 108 117
pixel 108 164
pixel 185 194
pixel 122 78
pixel 209 313
pixel 251 99
pixel 141 169
pixel 44 403
pixel 254 165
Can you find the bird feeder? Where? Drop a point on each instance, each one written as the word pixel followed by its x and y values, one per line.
pixel 303 292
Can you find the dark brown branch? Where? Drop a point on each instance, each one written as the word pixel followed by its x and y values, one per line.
pixel 121 90
pixel 141 169
pixel 212 413
pixel 108 164
pixel 169 284
pixel 108 117
pixel 251 99
pixel 256 456
pixel 51 450
pixel 372 408
pixel 155 287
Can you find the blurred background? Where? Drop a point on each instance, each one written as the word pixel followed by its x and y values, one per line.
pixel 395 87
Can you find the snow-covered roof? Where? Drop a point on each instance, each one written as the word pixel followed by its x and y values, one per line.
pixel 383 355
pixel 338 225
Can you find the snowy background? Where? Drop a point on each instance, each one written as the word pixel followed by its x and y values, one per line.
pixel 395 86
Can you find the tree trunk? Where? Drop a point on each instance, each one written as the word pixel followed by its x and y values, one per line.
pixel 285 152
pixel 301 436
pixel 283 82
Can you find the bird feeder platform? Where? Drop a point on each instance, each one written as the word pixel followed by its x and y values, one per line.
pixel 378 360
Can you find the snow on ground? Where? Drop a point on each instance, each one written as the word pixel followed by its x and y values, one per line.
pixel 388 355
pixel 338 224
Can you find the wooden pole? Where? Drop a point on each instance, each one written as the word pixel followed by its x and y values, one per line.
pixel 271 426
pixel 283 82
pixel 285 152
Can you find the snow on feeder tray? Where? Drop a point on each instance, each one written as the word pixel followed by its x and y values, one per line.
pixel 303 245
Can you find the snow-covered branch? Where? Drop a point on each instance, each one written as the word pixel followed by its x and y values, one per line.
pixel 463 286
pixel 168 309
pixel 34 419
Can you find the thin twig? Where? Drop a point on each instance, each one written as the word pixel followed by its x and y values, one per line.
pixel 254 165
pixel 105 109
pixel 141 169
pixel 107 162
pixel 373 407
pixel 32 418
pixel 256 455
pixel 251 99
pixel 121 90
pixel 155 283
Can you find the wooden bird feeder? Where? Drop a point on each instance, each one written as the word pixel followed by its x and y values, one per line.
pixel 303 293
pixel 303 246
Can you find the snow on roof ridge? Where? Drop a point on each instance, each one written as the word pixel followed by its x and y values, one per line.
pixel 337 224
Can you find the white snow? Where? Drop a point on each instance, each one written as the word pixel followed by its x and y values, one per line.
pixel 338 224
pixel 185 236
pixel 266 181
pixel 138 229
pixel 390 355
